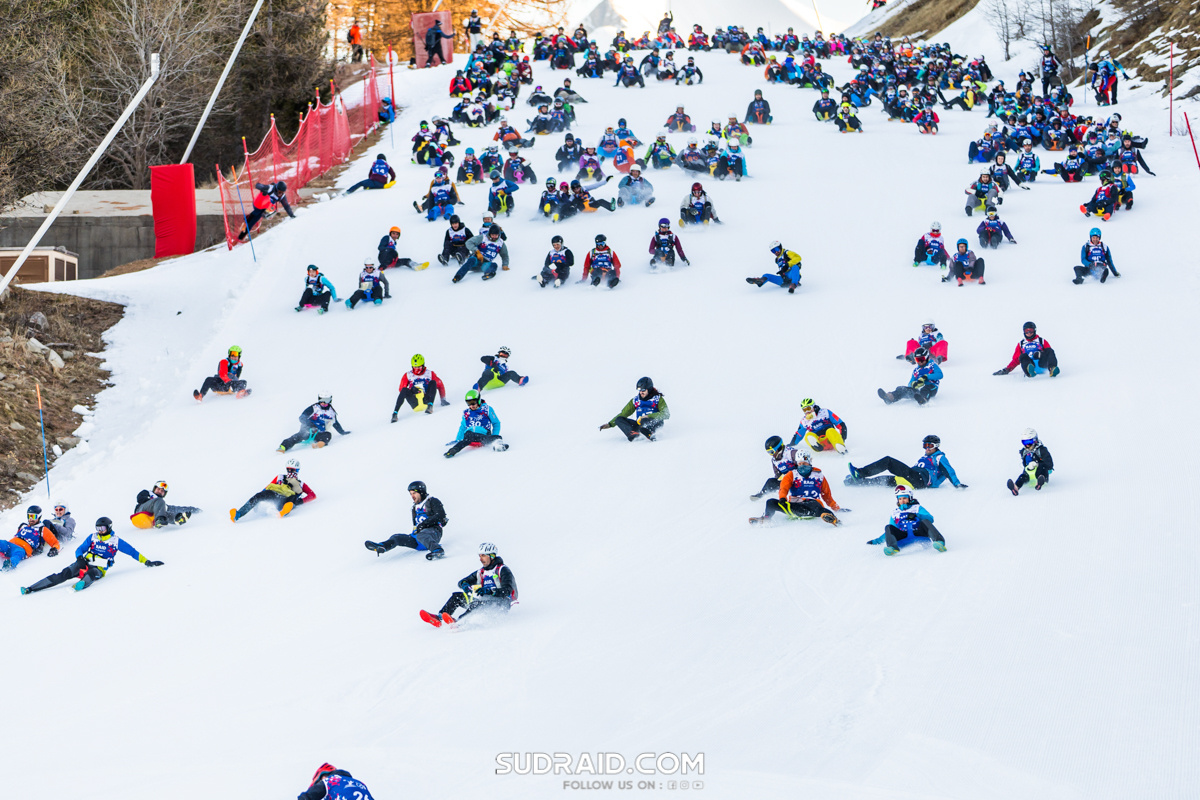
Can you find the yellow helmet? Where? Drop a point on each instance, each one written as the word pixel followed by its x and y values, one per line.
pixel 418 360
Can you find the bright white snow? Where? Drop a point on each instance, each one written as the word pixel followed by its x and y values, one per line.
pixel 1051 653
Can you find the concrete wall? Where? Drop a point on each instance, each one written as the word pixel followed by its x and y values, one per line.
pixel 103 242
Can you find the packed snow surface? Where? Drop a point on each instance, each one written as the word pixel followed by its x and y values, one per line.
pixel 1052 652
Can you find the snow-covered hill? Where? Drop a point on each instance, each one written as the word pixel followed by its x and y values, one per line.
pixel 1051 653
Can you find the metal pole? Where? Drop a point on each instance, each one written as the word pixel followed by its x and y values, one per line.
pixel 221 81
pixel 83 173
pixel 42 421
pixel 1171 92
pixel 392 84
pixel 1193 138
pixel 820 26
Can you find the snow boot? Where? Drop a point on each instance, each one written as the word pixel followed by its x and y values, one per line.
pixel 1012 487
pixel 199 397
pixel 287 509
pixel 882 539
pixel 830 518
pixel 379 548
pixel 755 281
pixel 1104 275
pixel 886 397
pixel 161 522
pixel 841 449
pixel 434 555
pixel 939 546
pixel 433 619
pixel 888 550
pixel 26 590
pixel 759 520
pixel 394 416
pixel 524 380
pixel 854 472
pixel 499 447
pixel 1041 481
pixel 447 619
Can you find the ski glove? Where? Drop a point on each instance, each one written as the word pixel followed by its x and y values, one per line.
pixel 52 552
pixel 605 426
pixel 1001 372
pixel 961 486
pixel 154 563
pixel 445 402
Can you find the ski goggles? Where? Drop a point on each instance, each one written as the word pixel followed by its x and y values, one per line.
pixel 1029 442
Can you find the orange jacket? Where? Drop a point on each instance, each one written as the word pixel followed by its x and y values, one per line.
pixel 785 485
pixel 47 536
pixel 355 35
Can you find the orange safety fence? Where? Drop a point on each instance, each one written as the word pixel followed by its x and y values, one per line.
pixel 327 134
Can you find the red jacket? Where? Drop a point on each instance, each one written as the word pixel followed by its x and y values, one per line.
pixel 432 376
pixel 587 263
pixel 1016 359
pixel 223 370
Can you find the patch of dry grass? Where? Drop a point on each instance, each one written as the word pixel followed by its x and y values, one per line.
pixel 75 327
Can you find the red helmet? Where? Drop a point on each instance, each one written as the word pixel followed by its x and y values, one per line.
pixel 697 188
pixel 322 771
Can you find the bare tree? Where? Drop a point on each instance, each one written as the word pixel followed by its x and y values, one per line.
pixel 192 40
pixel 38 108
pixel 1009 19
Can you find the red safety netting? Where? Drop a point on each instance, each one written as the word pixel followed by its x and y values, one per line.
pixel 327 134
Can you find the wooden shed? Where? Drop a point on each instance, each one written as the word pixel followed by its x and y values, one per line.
pixel 44 265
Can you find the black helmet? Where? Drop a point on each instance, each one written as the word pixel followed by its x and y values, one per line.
pixel 494 232
pixel 933 440
pixel 34 511
pixel 419 488
pixel 1029 326
pixel 381 157
pixel 774 444
pixel 281 187
pixel 601 238
pixel 105 523
pixel 920 354
pixel 556 239
pixel 454 220
pixel 576 185
pixel 645 384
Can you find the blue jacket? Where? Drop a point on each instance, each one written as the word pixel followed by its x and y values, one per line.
pixel 106 550
pixel 931 373
pixel 938 468
pixel 481 420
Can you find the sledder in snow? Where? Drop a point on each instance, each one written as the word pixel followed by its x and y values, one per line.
pixel 643 415
pixel 1033 353
pixel 418 388
pixel 931 339
pixel 152 510
pixel 787 270
pixel 228 378
pixel 922 386
pixel 313 423
pixel 428 517
pixel 930 472
pixel 1036 463
pixel 492 586
pixel 909 522
pixel 285 491
pixel 800 494
pixel 93 558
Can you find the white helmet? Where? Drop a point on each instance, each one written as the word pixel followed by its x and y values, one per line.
pixel 324 398
pixel 63 506
pixel 692 140
pixel 293 464
pixel 935 226
pixel 1029 433
pixel 928 323
pixel 717 122
pixel 734 143
pixel 731 115
pixel 488 214
pixel 487 549
pixel 776 245
pixel 369 261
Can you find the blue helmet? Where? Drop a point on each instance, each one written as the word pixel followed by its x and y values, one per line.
pixel 1093 232
pixel 470 151
pixel 962 241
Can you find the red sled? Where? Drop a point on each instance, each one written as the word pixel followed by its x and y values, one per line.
pixel 937 350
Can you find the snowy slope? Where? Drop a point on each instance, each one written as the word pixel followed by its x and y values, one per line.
pixel 1051 653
